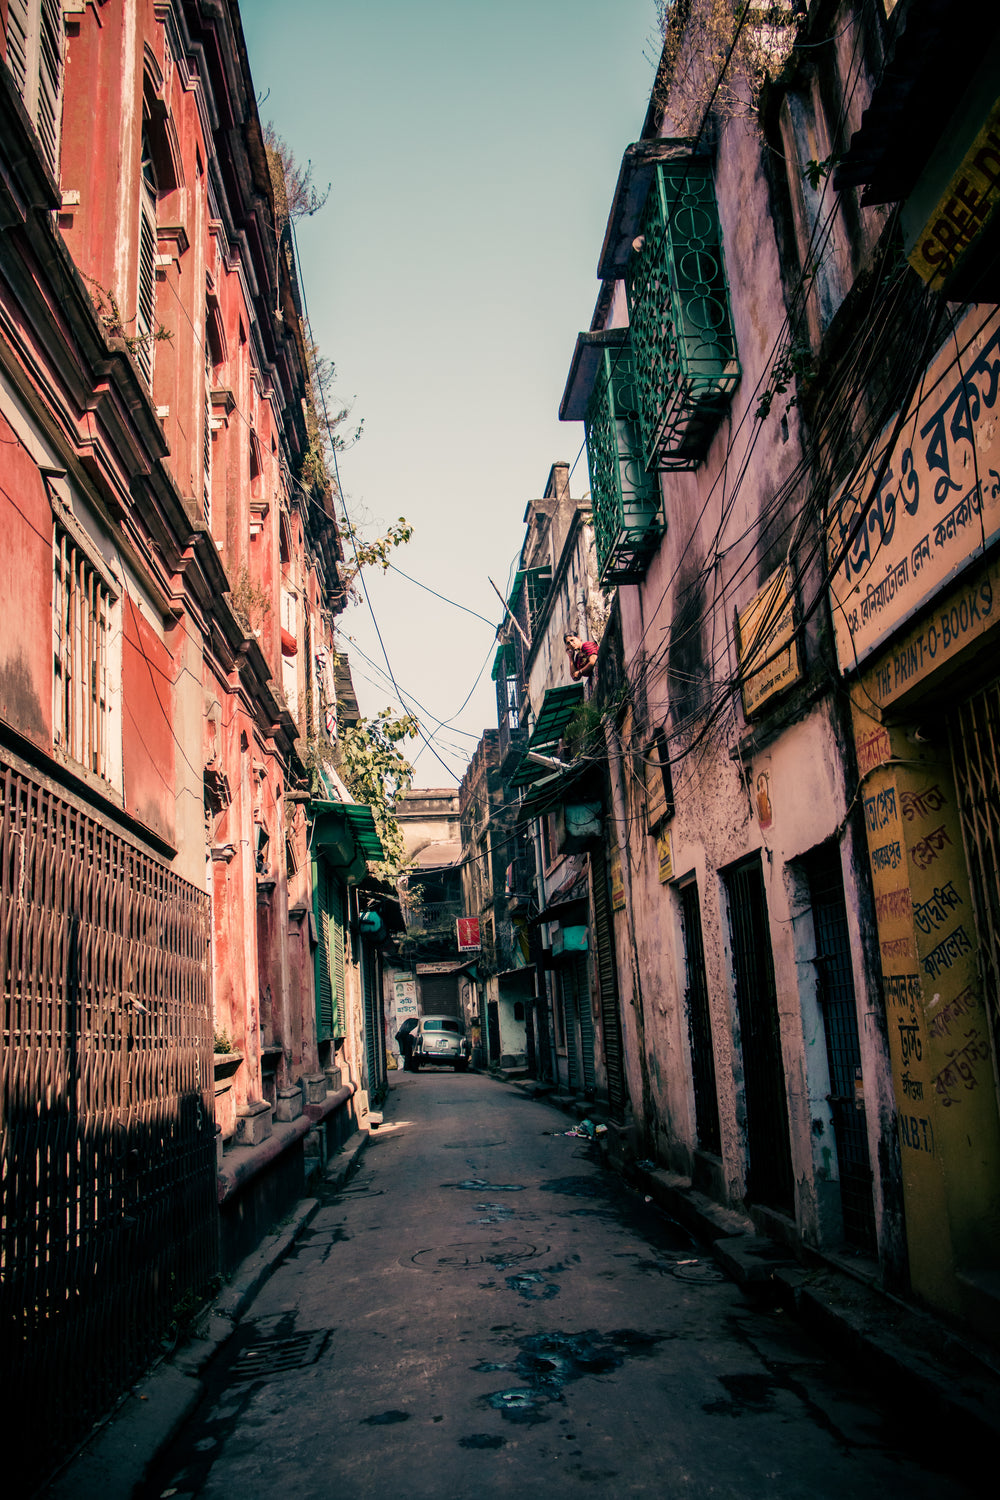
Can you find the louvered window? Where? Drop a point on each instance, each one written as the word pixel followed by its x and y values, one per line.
pixel 35 59
pixel 207 439
pixel 145 309
pixel 82 609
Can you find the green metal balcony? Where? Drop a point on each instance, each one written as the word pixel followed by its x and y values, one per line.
pixel 626 501
pixel 683 341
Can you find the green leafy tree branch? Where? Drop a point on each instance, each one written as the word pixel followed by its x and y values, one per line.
pixel 375 771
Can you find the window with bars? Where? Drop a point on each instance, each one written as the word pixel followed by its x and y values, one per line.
pixel 35 59
pixel 84 610
pixel 508 694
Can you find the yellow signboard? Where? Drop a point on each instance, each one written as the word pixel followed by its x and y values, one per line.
pixel 924 504
pixel 963 209
pixel 665 854
pixel 617 883
pixel 765 638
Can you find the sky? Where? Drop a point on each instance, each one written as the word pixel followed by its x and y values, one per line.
pixel 472 149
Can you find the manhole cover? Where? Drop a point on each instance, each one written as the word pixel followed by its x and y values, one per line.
pixel 697 1270
pixel 276 1355
pixel 495 1253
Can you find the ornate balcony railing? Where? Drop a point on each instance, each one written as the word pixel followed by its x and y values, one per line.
pixel 627 505
pixel 683 343
pixel 431 918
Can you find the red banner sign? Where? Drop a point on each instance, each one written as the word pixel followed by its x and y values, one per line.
pixel 468 935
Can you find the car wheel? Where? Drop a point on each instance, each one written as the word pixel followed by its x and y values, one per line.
pixel 461 1065
pixel 415 1064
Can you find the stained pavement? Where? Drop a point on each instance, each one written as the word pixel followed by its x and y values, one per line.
pixel 483 1308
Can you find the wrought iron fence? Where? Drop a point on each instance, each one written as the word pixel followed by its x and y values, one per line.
pixel 109 1227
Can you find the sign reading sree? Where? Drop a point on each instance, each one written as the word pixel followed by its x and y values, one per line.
pixel 968 201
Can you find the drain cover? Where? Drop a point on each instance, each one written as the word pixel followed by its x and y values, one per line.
pixel 697 1270
pixel 276 1355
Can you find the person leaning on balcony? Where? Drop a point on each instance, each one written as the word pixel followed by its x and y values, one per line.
pixel 582 656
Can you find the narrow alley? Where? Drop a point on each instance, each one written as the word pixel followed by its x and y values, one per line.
pixel 485 1310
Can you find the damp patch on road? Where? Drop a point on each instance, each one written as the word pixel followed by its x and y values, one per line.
pixel 546 1362
pixel 753 1393
pixel 493 1213
pixel 385 1419
pixel 482 1440
pixel 533 1287
pixel 575 1187
pixel 480 1185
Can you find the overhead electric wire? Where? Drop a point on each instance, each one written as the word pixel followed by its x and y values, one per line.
pixel 343 500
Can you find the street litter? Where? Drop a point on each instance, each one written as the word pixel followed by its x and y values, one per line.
pixel 586 1130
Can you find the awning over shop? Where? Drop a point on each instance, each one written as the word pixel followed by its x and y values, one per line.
pixel 344 832
pixel 558 707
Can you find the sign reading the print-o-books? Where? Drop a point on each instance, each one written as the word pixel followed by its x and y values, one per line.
pixel 893 545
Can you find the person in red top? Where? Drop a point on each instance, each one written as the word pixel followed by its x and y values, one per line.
pixel 582 656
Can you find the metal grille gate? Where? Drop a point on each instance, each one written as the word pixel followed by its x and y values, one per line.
pixel 573 977
pixel 371 982
pixel 769 1169
pixel 975 744
pixel 840 1023
pixel 109 1211
pixel 607 978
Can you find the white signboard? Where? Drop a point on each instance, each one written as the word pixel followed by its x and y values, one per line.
pixel 405 991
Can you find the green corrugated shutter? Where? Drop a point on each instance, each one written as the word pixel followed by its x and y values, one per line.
pixel 329 912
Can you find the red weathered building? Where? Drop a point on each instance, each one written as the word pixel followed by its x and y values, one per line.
pixel 168 583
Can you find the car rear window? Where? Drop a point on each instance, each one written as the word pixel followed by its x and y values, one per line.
pixel 443 1026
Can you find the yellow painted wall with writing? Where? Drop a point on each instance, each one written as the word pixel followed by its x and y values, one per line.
pixel 945 1093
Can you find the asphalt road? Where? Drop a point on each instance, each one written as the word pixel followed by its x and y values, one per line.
pixel 485 1311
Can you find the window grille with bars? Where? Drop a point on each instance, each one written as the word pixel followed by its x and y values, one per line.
pixel 35 59
pixel 82 609
pixel 975 746
pixel 683 341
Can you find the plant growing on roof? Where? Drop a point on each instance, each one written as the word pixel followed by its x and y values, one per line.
pixel 251 605
pixel 295 195
pixel 719 55
pixel 116 326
